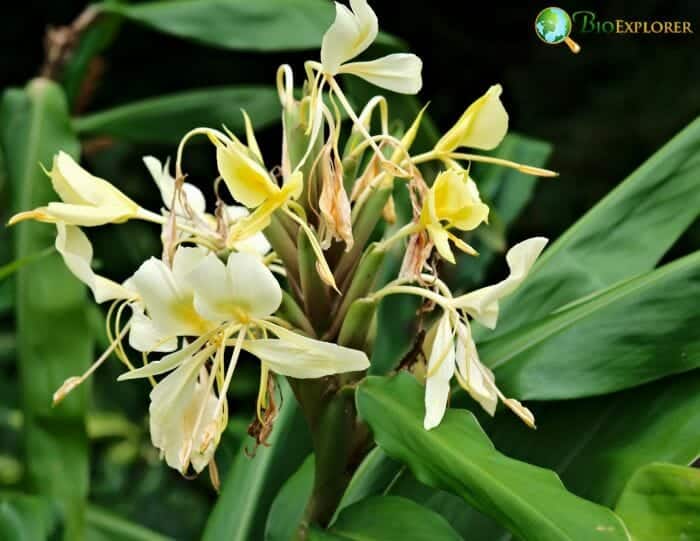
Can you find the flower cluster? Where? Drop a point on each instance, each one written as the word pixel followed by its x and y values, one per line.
pixel 288 273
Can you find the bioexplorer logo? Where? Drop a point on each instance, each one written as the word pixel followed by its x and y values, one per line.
pixel 553 25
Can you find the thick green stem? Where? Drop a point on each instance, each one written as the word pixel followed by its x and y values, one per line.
pixel 336 438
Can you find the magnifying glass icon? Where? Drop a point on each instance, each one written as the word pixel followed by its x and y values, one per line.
pixel 553 26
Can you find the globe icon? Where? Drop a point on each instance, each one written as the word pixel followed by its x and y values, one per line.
pixel 553 25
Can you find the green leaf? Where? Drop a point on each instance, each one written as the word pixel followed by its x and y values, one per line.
pixel 165 119
pixel 105 526
pixel 640 330
pixel 10 268
pixel 458 457
pixel 263 25
pixel 287 509
pixel 52 338
pixel 26 518
pixel 252 483
pixel 662 502
pixel 387 517
pixel 596 444
pixel 625 234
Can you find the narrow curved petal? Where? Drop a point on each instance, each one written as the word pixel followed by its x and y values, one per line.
pixel 76 250
pixel 349 35
pixel 84 215
pixel 482 304
pixel 398 72
pixel 171 361
pixel 442 243
pixel 483 125
pixel 297 356
pixel 441 367
pixel 476 378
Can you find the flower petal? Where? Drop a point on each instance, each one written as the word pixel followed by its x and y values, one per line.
pixel 76 186
pixel 256 243
pixel 476 378
pixel 171 361
pixel 398 72
pixel 145 336
pixel 297 356
pixel 175 405
pixel 442 242
pixel 350 34
pixel 168 303
pixel 84 215
pixel 212 289
pixel 441 366
pixel 186 259
pixel 482 304
pixel 254 288
pixel 483 125
pixel 76 250
pixel 246 179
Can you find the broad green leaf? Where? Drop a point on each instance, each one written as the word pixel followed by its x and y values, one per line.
pixel 458 457
pixel 52 338
pixel 596 444
pixel 625 234
pixel 26 518
pixel 263 25
pixel 468 522
pixel 288 507
pixel 640 330
pixel 252 483
pixel 105 526
pixel 165 119
pixel 661 502
pixel 387 517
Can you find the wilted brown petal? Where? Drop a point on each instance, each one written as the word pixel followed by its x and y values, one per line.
pixel 334 203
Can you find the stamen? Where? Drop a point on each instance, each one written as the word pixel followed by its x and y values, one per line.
pixel 262 391
pixel 389 166
pixel 526 169
pixel 73 381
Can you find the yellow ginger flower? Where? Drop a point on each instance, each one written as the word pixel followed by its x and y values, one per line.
pixel 205 298
pixel 451 350
pixel 452 201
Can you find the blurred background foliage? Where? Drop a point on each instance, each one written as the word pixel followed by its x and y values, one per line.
pixel 604 111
